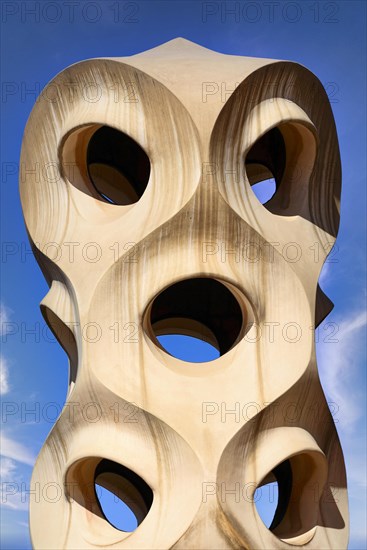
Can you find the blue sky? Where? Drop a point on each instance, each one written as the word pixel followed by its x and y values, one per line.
pixel 327 37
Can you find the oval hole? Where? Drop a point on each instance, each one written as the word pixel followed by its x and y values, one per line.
pixel 300 480
pixel 118 167
pixel 196 319
pixel 123 496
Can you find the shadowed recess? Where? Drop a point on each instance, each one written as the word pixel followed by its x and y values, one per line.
pixel 265 164
pixel 199 308
pixel 118 167
pixel 273 498
pixel 124 497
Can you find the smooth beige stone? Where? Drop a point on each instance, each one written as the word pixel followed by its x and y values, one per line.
pixel 202 436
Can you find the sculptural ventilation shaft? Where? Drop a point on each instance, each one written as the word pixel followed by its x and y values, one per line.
pixel 144 188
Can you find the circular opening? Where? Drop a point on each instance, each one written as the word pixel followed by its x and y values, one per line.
pixel 287 499
pixel 118 167
pixel 204 311
pixel 127 497
pixel 106 164
pixel 265 164
pixel 111 491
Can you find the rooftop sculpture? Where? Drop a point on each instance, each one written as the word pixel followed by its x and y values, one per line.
pixel 144 222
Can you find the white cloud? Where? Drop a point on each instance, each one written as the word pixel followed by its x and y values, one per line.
pixel 7 468
pixel 341 367
pixel 324 275
pixel 4 376
pixel 13 454
pixel 13 494
pixel 4 318
pixel 338 358
pixel 15 451
pixel 23 524
pixel 12 489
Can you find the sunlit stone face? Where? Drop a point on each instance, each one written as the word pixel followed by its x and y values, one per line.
pixel 148 197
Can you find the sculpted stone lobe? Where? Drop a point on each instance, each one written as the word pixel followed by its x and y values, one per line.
pixel 149 166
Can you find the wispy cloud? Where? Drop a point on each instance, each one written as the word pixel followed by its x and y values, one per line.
pixel 14 456
pixel 4 318
pixel 4 376
pixel 325 275
pixel 12 494
pixel 341 367
pixel 7 467
pixel 338 360
pixel 15 451
pixel 23 524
